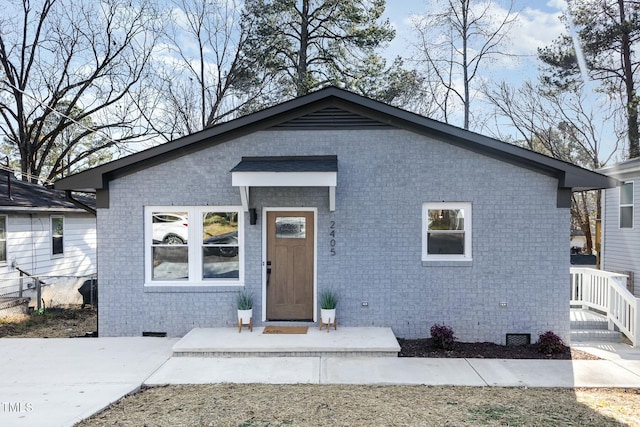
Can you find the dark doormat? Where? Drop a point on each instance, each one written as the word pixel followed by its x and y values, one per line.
pixel 285 330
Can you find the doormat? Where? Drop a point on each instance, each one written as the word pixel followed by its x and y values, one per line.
pixel 285 330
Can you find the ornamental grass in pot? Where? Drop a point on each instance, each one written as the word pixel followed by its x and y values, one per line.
pixel 328 303
pixel 244 301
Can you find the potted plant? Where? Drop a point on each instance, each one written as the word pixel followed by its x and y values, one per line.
pixel 328 302
pixel 244 301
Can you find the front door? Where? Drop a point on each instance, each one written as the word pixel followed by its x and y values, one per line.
pixel 290 259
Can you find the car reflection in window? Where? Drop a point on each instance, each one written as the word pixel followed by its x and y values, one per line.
pixel 228 245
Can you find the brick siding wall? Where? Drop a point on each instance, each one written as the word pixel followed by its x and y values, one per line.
pixel 383 179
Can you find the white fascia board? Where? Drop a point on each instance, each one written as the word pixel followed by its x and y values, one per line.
pixel 284 179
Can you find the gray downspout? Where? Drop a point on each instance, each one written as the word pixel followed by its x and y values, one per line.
pixel 78 203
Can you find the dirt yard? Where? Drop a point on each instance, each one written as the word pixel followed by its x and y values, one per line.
pixel 52 323
pixel 259 405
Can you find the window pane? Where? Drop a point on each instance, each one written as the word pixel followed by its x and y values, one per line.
pixel 170 262
pixel 220 250
pixel 626 217
pixel 626 193
pixel 289 227
pixel 170 228
pixel 445 243
pixel 220 262
pixel 57 245
pixel 3 238
pixel 56 226
pixel 57 233
pixel 220 228
pixel 446 219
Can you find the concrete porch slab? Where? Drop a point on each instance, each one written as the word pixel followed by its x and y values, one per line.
pixel 345 341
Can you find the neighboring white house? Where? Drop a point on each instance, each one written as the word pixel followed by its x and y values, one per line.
pixel 620 247
pixel 44 235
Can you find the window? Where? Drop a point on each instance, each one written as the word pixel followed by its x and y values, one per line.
pixel 626 205
pixel 3 239
pixel 57 235
pixel 446 234
pixel 194 245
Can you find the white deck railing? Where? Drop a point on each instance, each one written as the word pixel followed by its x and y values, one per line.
pixel 607 292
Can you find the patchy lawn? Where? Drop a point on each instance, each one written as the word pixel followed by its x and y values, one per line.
pixel 260 405
pixel 51 323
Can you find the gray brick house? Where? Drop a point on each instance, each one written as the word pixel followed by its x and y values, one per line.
pixel 411 221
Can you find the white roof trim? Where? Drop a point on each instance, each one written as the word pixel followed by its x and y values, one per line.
pixel 245 180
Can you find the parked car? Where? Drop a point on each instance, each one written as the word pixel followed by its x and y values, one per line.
pixel 230 239
pixel 170 228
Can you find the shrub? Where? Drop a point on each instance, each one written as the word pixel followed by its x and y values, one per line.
pixel 442 336
pixel 550 343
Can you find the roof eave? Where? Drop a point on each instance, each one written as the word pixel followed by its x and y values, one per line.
pixel 569 175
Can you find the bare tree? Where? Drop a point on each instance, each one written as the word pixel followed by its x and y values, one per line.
pixel 202 77
pixel 453 44
pixel 560 125
pixel 66 63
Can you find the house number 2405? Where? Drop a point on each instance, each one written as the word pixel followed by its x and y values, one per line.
pixel 332 240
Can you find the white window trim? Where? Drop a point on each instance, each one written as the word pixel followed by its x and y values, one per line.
pixel 194 246
pixel 468 227
pixel 64 226
pixel 626 205
pixel 6 238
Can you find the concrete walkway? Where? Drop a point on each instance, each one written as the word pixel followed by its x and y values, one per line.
pixel 57 382
pixel 622 370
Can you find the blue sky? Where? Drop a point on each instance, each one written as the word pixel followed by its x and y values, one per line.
pixel 537 25
pixel 538 21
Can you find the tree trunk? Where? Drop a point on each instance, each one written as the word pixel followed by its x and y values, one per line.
pixel 465 65
pixel 632 101
pixel 301 85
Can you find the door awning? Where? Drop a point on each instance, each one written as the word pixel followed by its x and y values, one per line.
pixel 298 171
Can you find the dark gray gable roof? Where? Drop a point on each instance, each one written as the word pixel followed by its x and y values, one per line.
pixel 288 164
pixel 27 196
pixel 570 177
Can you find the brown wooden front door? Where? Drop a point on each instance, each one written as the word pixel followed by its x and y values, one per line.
pixel 290 258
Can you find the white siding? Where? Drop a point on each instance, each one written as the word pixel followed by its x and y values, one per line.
pixel 621 246
pixel 29 247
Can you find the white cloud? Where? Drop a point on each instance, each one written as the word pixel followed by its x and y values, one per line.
pixel 535 29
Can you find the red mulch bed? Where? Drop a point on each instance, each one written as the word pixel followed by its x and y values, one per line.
pixel 485 350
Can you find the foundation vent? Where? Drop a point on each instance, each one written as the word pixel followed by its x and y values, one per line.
pixel 518 339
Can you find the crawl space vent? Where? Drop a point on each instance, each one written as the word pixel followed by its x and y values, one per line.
pixel 518 339
pixel 154 334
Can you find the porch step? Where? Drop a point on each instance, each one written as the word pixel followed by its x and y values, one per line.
pixel 585 319
pixel 345 341
pixel 587 326
pixel 597 335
